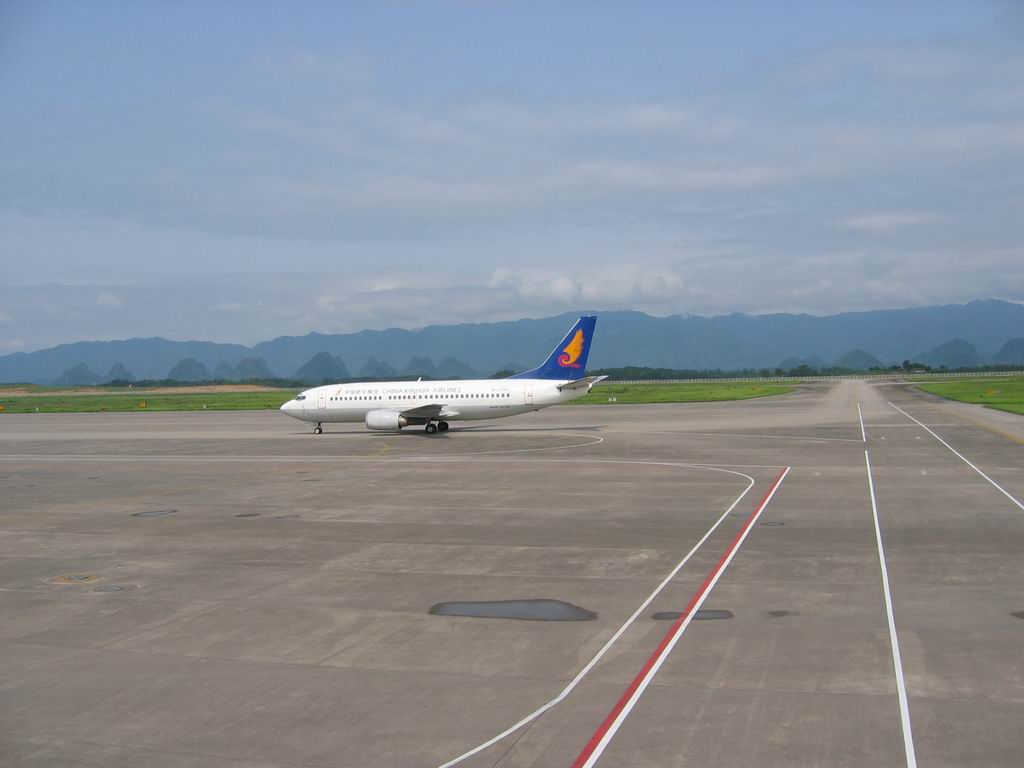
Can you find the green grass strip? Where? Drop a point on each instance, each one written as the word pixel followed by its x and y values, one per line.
pixel 140 401
pixel 1003 393
pixel 623 394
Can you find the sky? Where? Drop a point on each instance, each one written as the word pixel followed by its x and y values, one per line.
pixel 237 171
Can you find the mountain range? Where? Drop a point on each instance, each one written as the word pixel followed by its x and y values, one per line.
pixel 953 335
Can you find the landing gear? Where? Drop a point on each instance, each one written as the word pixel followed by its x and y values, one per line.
pixel 317 429
pixel 442 426
pixel 430 429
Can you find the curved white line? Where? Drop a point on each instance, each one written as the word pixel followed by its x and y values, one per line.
pixel 596 440
pixel 614 638
pixel 463 459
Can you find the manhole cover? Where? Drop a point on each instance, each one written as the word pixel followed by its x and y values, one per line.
pixel 703 615
pixel 712 615
pixel 154 513
pixel 524 610
pixel 111 588
pixel 73 578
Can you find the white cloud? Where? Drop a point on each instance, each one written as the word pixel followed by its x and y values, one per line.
pixel 229 306
pixel 108 299
pixel 753 189
pixel 877 223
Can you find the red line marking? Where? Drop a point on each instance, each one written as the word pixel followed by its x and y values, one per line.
pixel 653 658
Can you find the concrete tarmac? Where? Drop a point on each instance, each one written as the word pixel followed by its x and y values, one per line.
pixel 227 589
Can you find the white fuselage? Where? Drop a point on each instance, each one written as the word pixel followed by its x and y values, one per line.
pixel 463 400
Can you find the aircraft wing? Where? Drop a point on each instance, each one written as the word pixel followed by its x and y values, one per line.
pixel 586 381
pixel 430 411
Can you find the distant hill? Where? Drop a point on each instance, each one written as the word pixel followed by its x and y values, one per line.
pixel 858 360
pixel 118 372
pixel 421 366
pixel 253 368
pixel 1011 353
pixel 727 342
pixel 952 354
pixel 77 376
pixel 189 369
pixel 375 369
pixel 322 368
pixel 813 361
pixel 147 358
pixel 225 371
pixel 453 368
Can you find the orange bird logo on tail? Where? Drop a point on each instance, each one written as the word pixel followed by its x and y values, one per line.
pixel 572 351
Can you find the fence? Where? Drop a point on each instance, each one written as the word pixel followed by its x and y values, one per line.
pixel 891 375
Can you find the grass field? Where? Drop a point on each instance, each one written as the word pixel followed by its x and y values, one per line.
pixel 1005 394
pixel 679 393
pixel 191 401
pixel 225 401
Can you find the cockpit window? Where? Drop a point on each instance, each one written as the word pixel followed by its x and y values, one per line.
pixel 300 397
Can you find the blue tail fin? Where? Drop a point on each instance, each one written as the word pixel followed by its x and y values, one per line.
pixel 569 360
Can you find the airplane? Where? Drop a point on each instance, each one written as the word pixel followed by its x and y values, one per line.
pixel 392 405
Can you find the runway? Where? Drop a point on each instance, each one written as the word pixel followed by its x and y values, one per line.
pixel 227 589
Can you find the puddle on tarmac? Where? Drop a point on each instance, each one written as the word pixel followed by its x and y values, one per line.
pixel 74 578
pixel 111 588
pixel 524 610
pixel 154 513
pixel 702 615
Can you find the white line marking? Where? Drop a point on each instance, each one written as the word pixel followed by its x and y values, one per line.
pixel 593 440
pixel 709 585
pixel 906 426
pixel 860 416
pixel 959 455
pixel 754 435
pixel 193 458
pixel 614 638
pixel 897 663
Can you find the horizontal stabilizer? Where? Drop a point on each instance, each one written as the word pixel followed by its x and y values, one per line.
pixel 586 381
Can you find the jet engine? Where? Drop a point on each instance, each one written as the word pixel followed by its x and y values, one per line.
pixel 389 421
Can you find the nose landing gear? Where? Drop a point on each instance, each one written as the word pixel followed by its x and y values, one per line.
pixel 317 429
